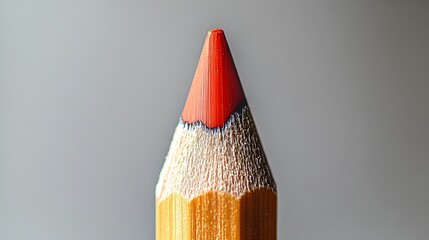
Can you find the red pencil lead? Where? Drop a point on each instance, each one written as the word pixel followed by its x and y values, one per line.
pixel 216 90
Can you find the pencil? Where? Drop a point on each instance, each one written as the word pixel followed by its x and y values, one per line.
pixel 216 182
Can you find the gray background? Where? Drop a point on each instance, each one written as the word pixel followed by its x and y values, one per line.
pixel 91 92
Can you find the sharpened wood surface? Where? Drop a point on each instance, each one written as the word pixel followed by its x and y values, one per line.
pixel 218 216
pixel 229 159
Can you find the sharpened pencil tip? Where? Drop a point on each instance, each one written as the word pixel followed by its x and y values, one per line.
pixel 216 30
pixel 216 91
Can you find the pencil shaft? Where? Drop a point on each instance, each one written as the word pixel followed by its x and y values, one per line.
pixel 218 216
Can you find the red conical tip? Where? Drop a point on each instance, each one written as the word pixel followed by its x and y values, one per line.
pixel 216 91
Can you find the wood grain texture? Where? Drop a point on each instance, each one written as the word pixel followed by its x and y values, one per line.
pixel 216 184
pixel 229 159
pixel 219 216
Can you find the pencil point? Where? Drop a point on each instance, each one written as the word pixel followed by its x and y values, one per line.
pixel 216 90
pixel 216 30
